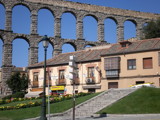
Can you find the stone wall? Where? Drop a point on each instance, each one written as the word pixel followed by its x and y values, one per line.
pixel 95 8
pixel 58 7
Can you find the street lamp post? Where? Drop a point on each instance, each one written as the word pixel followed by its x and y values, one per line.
pixel 45 41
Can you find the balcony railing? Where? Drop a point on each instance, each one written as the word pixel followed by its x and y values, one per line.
pixel 61 82
pixel 90 80
pixel 77 81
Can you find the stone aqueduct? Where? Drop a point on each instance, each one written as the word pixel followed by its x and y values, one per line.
pixel 58 7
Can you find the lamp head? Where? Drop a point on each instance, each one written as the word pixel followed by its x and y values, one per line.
pixel 45 41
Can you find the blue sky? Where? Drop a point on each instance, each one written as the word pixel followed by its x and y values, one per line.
pixel 21 24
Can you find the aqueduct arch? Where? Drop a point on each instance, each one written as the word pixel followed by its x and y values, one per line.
pixel 70 27
pixel 57 8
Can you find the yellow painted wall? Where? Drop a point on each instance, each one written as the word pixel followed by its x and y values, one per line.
pixel 138 72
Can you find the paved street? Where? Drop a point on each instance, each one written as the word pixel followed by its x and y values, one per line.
pixel 116 117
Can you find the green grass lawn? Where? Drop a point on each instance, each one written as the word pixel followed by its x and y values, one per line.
pixel 145 100
pixel 35 111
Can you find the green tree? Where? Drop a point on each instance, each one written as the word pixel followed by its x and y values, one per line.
pixel 152 29
pixel 18 82
pixel 24 82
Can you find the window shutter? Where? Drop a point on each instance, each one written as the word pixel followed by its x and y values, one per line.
pixel 112 63
pixel 147 63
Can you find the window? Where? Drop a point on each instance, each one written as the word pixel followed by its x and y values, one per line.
pixel 112 67
pixel 61 80
pixel 91 90
pixel 131 64
pixel 112 73
pixel 47 75
pixel 35 76
pixel 61 74
pixel 91 72
pixel 123 45
pixel 112 85
pixel 77 73
pixel 112 63
pixel 35 79
pixel 147 63
pixel 48 78
pixel 139 82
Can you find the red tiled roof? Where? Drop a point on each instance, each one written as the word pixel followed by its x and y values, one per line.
pixel 136 46
pixel 81 56
pixel 95 54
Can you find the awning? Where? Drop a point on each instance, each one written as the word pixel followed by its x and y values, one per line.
pixel 92 87
pixel 33 94
pixel 57 88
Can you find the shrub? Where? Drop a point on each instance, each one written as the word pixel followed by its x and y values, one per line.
pixel 2 102
pixel 83 94
pixel 7 97
pixel 18 95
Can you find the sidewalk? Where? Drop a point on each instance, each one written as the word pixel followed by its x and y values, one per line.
pixel 115 117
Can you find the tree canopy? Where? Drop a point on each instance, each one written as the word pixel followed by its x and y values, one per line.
pixel 18 82
pixel 152 29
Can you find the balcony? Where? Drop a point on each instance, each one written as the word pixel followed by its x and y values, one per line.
pixel 90 80
pixel 37 89
pixel 61 82
pixel 50 84
pixel 77 81
pixel 35 84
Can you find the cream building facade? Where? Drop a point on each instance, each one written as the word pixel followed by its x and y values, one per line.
pixel 137 65
pixel 88 77
pixel 100 68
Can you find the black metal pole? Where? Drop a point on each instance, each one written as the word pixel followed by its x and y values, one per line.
pixel 43 111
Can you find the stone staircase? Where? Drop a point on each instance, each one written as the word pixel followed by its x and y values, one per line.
pixel 99 102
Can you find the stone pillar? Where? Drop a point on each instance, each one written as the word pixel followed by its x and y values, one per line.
pixel 8 23
pixel 6 67
pixel 100 31
pixel 120 32
pixel 57 51
pixel 139 31
pixel 6 74
pixel 33 55
pixel 7 55
pixel 34 20
pixel 80 45
pixel 79 29
pixel 57 27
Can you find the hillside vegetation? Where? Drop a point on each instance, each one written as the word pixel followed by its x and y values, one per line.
pixel 145 100
pixel 58 107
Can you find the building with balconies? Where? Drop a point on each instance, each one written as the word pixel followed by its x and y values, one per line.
pixel 100 68
pixel 87 75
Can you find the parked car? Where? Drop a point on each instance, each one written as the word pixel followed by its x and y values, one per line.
pixel 143 85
